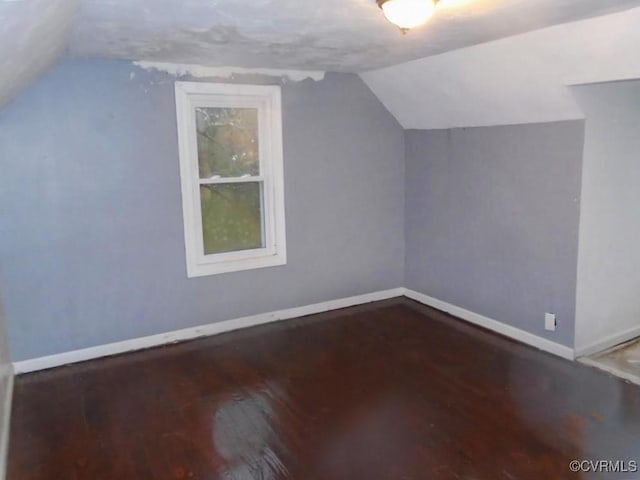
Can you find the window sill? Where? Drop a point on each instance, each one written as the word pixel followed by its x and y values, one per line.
pixel 216 268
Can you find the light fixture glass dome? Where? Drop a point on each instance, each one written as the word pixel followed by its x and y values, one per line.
pixel 407 14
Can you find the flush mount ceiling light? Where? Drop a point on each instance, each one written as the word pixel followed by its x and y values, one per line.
pixel 407 14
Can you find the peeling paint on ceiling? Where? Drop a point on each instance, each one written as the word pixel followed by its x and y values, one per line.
pixel 199 71
pixel 33 35
pixel 332 35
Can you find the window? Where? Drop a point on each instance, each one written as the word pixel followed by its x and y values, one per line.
pixel 230 139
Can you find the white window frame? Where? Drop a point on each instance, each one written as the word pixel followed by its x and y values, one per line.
pixel 267 100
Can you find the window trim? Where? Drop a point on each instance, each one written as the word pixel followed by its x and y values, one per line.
pixel 268 101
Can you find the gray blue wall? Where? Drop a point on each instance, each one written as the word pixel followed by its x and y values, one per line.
pixel 492 220
pixel 91 236
pixel 608 297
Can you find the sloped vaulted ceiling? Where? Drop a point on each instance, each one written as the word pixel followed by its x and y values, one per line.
pixel 331 35
pixel 33 35
pixel 520 79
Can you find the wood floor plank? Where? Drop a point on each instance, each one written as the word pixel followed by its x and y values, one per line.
pixel 386 391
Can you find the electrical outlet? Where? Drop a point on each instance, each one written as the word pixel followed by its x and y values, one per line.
pixel 550 322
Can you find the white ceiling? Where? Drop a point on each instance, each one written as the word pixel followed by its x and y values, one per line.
pixel 337 35
pixel 520 79
pixel 334 35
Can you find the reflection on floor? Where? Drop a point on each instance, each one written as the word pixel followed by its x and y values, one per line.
pixel 387 391
pixel 623 361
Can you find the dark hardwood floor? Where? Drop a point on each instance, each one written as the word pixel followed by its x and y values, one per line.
pixel 391 390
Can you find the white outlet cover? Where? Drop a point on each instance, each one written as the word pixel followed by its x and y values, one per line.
pixel 550 321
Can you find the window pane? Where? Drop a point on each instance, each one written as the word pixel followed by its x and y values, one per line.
pixel 232 217
pixel 227 142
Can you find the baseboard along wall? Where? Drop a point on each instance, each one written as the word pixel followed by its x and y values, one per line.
pixel 494 325
pixel 608 342
pixel 91 353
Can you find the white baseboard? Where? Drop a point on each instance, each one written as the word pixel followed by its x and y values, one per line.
pixel 494 325
pixel 608 342
pixel 43 363
pixel 610 369
pixel 91 353
pixel 6 425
